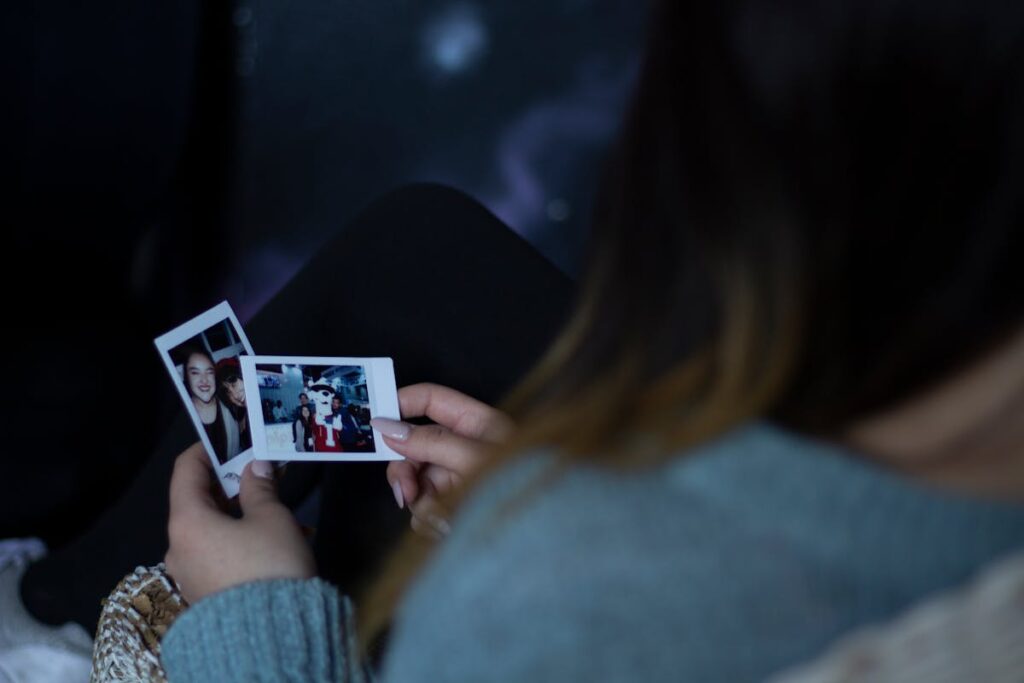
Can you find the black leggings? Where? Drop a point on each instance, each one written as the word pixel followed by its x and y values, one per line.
pixel 426 276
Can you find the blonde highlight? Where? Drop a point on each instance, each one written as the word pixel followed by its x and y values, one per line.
pixel 732 378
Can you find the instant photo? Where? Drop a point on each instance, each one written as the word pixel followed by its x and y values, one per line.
pixel 203 358
pixel 319 409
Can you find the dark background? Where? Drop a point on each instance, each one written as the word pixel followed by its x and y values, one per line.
pixel 162 156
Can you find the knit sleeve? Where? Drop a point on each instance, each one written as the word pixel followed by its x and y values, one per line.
pixel 280 630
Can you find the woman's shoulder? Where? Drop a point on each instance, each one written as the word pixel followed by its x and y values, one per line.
pixel 763 540
pixel 537 497
pixel 545 569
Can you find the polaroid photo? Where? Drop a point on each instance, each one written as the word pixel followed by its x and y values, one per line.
pixel 203 358
pixel 319 409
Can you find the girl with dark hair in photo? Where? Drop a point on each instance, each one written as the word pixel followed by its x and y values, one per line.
pixel 302 429
pixel 231 391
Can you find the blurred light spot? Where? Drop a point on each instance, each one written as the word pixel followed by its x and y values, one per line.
pixel 558 210
pixel 247 44
pixel 242 17
pixel 583 116
pixel 455 40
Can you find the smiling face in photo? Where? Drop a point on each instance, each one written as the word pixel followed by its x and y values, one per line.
pixel 200 376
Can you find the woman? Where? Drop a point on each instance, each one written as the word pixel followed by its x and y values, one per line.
pixel 220 425
pixel 231 391
pixel 302 431
pixel 789 402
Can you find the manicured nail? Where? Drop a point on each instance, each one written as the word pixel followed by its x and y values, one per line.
pixel 397 489
pixel 262 468
pixel 391 428
pixel 441 524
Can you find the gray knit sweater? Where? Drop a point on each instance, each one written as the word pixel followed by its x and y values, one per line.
pixel 729 563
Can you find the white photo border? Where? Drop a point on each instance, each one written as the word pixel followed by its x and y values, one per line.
pixel 230 473
pixel 381 390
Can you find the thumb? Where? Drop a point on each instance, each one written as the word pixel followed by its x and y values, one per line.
pixel 257 488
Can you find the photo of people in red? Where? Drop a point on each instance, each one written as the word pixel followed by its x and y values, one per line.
pixel 318 409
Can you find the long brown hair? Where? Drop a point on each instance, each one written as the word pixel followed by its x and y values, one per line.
pixel 813 212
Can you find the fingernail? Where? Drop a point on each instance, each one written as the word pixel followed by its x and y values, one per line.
pixel 441 524
pixel 397 489
pixel 262 468
pixel 394 429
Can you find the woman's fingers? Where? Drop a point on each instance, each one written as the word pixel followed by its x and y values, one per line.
pixel 439 455
pixel 403 476
pixel 190 483
pixel 462 414
pixel 437 480
pixel 210 551
pixel 432 444
pixel 257 490
pixel 409 480
pixel 424 529
pixel 429 518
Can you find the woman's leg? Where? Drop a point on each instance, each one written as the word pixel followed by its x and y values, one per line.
pixel 426 276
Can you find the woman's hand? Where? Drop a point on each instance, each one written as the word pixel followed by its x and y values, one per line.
pixel 211 551
pixel 440 455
